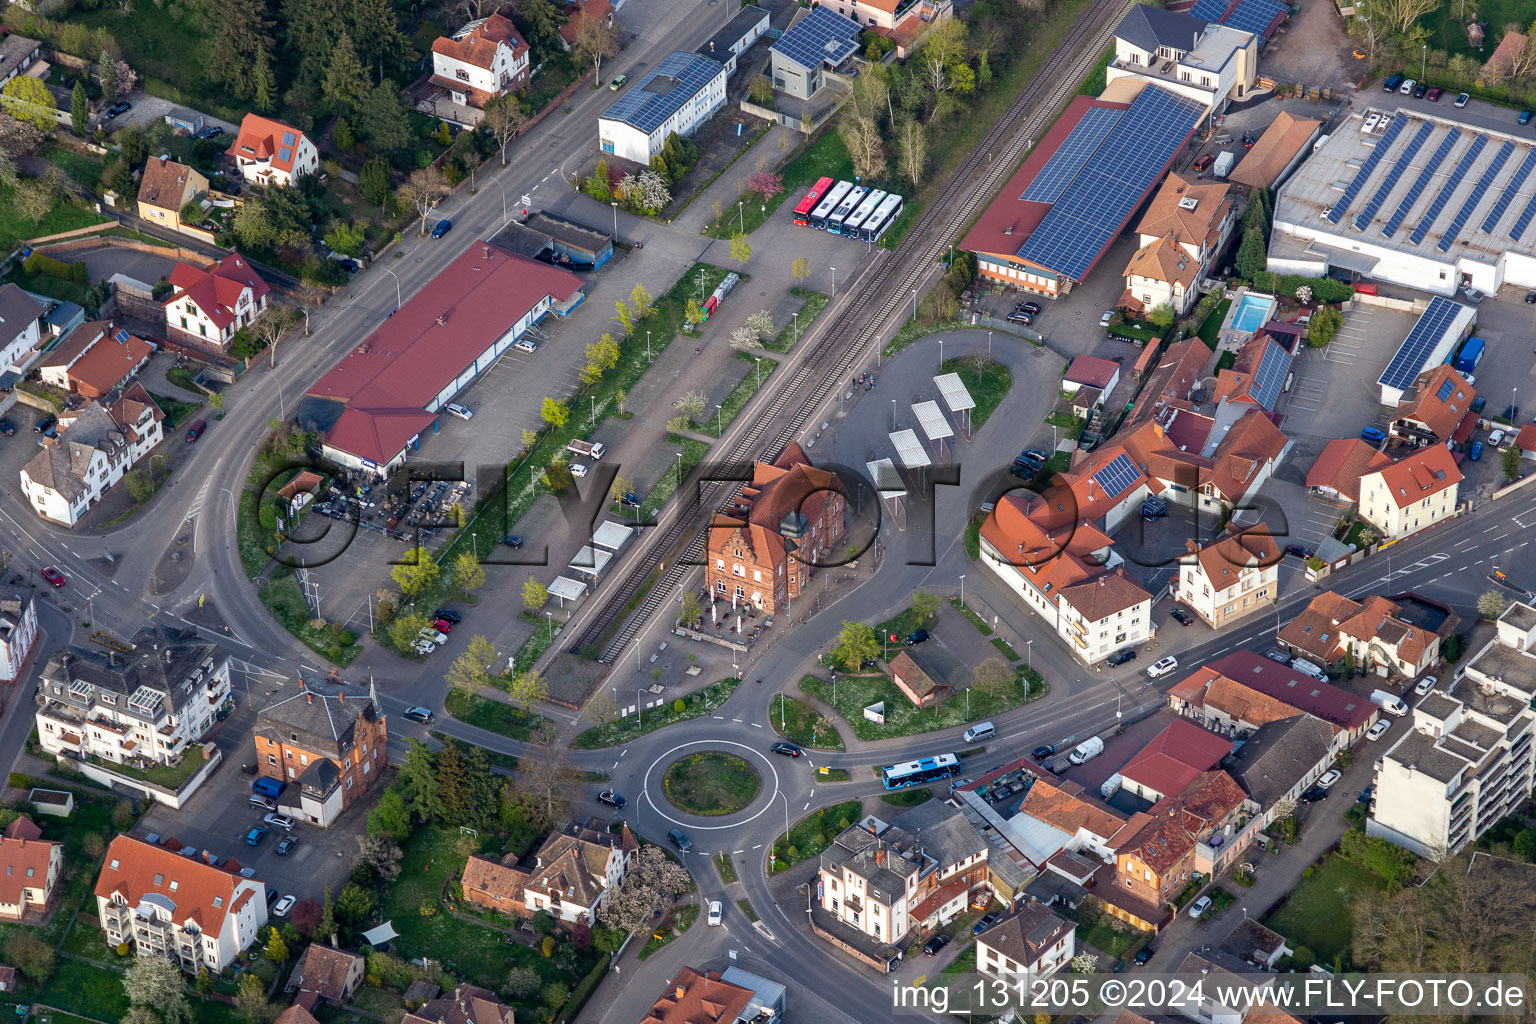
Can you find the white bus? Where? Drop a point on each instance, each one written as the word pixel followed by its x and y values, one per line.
pixel 828 204
pixel 884 216
pixel 850 203
pixel 862 212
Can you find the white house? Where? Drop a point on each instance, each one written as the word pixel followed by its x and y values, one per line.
pixel 164 904
pixel 1185 226
pixel 269 152
pixel 95 447
pixel 574 869
pixel 20 329
pixel 748 26
pixel 1032 940
pixel 1229 578
pixel 480 62
pixel 683 92
pixel 209 306
pixel 1412 494
pixel 1209 63
pixel 18 634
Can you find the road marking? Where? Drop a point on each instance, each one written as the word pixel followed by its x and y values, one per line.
pixel 615 764
pixel 759 846
pixel 1492 528
pixel 720 718
pixel 755 725
pixel 734 852
pixel 622 753
pixel 807 806
pixel 736 720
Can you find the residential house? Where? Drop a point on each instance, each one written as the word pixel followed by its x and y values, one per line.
pixel 209 306
pixel 95 358
pixel 18 635
pixel 1435 408
pixel 680 94
pixel 1230 578
pixel 1278 762
pixel 1089 380
pixel 1412 494
pixel 1243 690
pixel 467 1004
pixel 575 869
pixel 327 973
pixel 1526 441
pixel 1171 382
pixel 1465 763
pixel 151 706
pixel 268 152
pixel 745 27
pixel 295 1014
pixel 1257 377
pixel 1254 944
pixel 1058 815
pixel 893 14
pixel 1156 864
pixel 916 685
pixel 783 523
pixel 17 53
pixel 328 741
pixel 166 188
pixel 1509 59
pixel 1032 940
pixel 1336 473
pixel 1210 63
pixel 1379 633
pixel 1185 228
pixel 484 60
pixel 20 329
pixel 495 884
pixel 164 904
pixel 29 870
pixel 578 11
pixel 1172 760
pixel 1279 150
pixel 700 997
pixel 94 448
pixel 814 45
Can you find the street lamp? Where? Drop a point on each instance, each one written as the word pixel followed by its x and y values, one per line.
pixel 781 711
pixel 593 399
pixel 615 221
pixel 639 707
pixel 1423 57
pixel 503 188
pixel 719 429
pixel 398 300
pixel 914 303
pixel 962 590
pixel 551 617
pixel 647 346
pixel 834 278
pixel 1029 660
pixel 741 216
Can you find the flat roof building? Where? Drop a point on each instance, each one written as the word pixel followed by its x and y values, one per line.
pixel 683 92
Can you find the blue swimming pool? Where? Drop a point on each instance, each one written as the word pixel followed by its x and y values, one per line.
pixel 1252 310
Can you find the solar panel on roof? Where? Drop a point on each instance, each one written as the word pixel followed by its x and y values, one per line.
pixel 1210 10
pixel 1071 155
pixel 1271 375
pixel 1382 145
pixel 1092 209
pixel 1391 178
pixel 285 154
pixel 1255 16
pixel 823 35
pixel 1511 189
pixel 1460 220
pixel 1426 333
pixel 647 110
pixel 1446 387
pixel 1116 477
pixel 288 138
pixel 121 336
pixel 1524 221
pixel 1448 189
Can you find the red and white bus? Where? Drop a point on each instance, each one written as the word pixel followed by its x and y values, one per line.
pixel 803 211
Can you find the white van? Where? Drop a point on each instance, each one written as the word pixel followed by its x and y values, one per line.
pixel 980 731
pixel 1306 667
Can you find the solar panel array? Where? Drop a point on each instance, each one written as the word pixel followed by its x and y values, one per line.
pixel 1073 153
pixel 1420 183
pixel 1092 209
pixel 1116 477
pixel 1255 16
pixel 1459 221
pixel 823 35
pixel 1210 10
pixel 1511 189
pixel 1382 145
pixel 1273 367
pixel 1446 387
pixel 1421 340
pixel 1399 168
pixel 1524 221
pixel 646 110
pixel 1452 183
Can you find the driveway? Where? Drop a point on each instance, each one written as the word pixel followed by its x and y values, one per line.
pixel 149 109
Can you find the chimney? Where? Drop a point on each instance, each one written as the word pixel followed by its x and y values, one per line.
pixel 309 697
pixel 680 992
pixel 485 252
pixel 442 319
pixel 880 857
pixel 334 944
pixel 341 697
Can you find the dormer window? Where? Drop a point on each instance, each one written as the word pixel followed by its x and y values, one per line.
pixel 218 901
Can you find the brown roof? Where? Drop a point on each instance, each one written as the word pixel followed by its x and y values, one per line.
pixel 479 45
pixel 1092 371
pixel 1179 821
pixel 1025 935
pixel 1178 372
pixel 1342 463
pixel 1068 812
pixel 467 1004
pixel 202 893
pixel 1252 441
pixel 573 865
pixel 1510 48
pixel 1276 148
pixel 1415 477
pixel 1440 416
pixel 23 828
pixel 1316 629
pixel 1170 214
pixel 23 863
pixel 110 360
pixel 1102 597
pixel 1164 260
pixel 165 183
pixel 295 1014
pixel 1223 561
pixel 695 998
pixel 482 874
pixel 325 970
pixel 1208 688
pixel 912 680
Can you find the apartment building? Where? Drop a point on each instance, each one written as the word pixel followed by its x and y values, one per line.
pixel 147 707
pixel 21 333
pixel 1230 578
pixel 327 742
pixel 1186 225
pixel 164 904
pixel 1400 635
pixel 1466 762
pixel 683 92
pixel 18 634
pixel 1209 63
pixel 1156 864
pixel 1412 494
pixel 95 448
pixel 1032 940
pixel 1436 409
pixel 209 305
pixel 30 867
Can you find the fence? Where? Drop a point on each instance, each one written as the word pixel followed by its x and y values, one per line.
pixel 93 229
pixel 176 252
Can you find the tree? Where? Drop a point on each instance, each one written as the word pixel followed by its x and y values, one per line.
pixel 277 949
pixel 34 198
pixel 389 818
pixel 346 84
pixel 418 783
pixel 381 855
pixel 652 881
pixel 347 238
pixel 555 413
pixel 1161 316
pixel 766 184
pixel 140 486
pixel 1251 257
pixel 994 677
pixel 156 983
pixel 760 323
pixel 239 54
pixel 595 40
pixel 521 982
pixel 465 675
pixel 415 573
pixel 800 269
pixel 79 109
pixel 1491 605
pixel 912 147
pixel 1325 323
pixel 542 21
pixel 528 691
pixel 544 783
pixel 1509 462
pixel 865 147
pixel 925 605
pixel 504 118
pixel 693 312
pixel 557 475
pixel 648 191
pixel 741 251
pixel 856 644
pixel 106 73
pixel 274 218
pixel 691 404
pixel 689 613
pixel 760 91
pixel 468 574
pixel 374 181
pixel 251 1000
pixel 28 99
pixel 327 924
pixel 422 192
pixel 1524 845
pixel 29 955
pixel 355 903
pixel 535 595
pixel 744 339
pixel 621 487
pixel 305 915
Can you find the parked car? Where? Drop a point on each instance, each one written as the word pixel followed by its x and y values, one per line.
pixel 44 425
pixel 933 945
pixel 1366 794
pixel 1144 954
pixel 1163 666
pixel 1425 685
pixel 1475 453
pixel 1525 117
pixel 286 903
pixel 916 637
pixel 1479 404
pixel 1461 99
pixel 458 410
pixel 1198 908
pixel 266 803
pixel 1391 84
pixel 1313 795
pixel 527 345
pixel 618 82
pixel 716 912
pixel 1037 454
pixel 442 626
pixel 117 109
pixel 1496 439
pixel 1043 751
pixel 1279 655
pixel 1419 91
pixel 281 821
pixel 1104 320
pixel 676 838
pixel 1018 316
pixel 1378 730
pixel 1530 298
pixel 578 469
pixel 612 799
pixel 6 428
pixel 53 576
pixel 985 923
pixel 1435 94
pixel 1512 413
pixel 419 714
pixel 432 635
pixel 1372 435
pixel 195 431
pixel 255 836
pixel 1328 778
pixel 787 749
pixel 211 132
pixel 1122 656
pixel 1032 308
pixel 448 615
pixel 1298 550
pixel 1181 616
pixel 1406 89
pixel 423 647
pixel 443 227
pixel 1204 161
pixel 511 540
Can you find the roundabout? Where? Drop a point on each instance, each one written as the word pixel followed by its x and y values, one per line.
pixel 657 792
pixel 711 783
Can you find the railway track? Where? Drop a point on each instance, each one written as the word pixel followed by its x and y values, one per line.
pixel 829 361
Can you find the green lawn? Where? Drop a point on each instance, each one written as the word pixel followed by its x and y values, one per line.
pixel 672 926
pixel 987 381
pixel 802 724
pixel 831 775
pixel 64 217
pixel 1210 330
pixel 711 783
pixel 1317 915
pixel 793 331
pixel 814 833
pixel 554 75
pixel 161 775
pixel 724 868
pixel 855 693
pixel 283 598
pixel 89 991
pixel 169 51
pixel 758 372
pixel 53 287
pixel 176 411
pixel 914 329
pixel 1104 935
pixel 625 729
pixel 182 378
pixel 490 715
pixel 907 797
pixel 83 169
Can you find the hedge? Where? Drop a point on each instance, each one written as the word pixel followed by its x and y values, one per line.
pixel 41 263
pixel 1324 289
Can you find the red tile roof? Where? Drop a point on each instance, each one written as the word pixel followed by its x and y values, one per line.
pixel 201 892
pixel 1319 699
pixel 23 863
pixel 111 359
pixel 23 828
pixel 1424 405
pixel 1092 371
pixel 584 9
pixel 695 998
pixel 1526 439
pixel 1175 757
pixel 387 381
pixel 478 46
pixel 1342 463
pixel 216 290
pixel 1415 477
pixel 262 138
